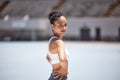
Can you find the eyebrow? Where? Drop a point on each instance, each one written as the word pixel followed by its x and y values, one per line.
pixel 61 23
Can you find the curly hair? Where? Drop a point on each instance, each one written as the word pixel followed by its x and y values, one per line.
pixel 54 15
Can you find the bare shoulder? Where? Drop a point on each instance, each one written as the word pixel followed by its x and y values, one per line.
pixel 59 42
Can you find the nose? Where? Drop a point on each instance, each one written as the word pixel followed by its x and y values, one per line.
pixel 64 28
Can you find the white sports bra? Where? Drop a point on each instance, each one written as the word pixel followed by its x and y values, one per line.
pixel 54 57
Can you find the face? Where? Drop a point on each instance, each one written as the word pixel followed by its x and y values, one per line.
pixel 60 26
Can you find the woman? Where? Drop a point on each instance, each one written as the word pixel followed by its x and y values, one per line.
pixel 57 55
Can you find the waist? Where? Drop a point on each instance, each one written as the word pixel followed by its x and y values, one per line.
pixel 59 66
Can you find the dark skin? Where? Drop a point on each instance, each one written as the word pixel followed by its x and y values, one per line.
pixel 57 46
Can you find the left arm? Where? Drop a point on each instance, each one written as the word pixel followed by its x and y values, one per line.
pixel 48 58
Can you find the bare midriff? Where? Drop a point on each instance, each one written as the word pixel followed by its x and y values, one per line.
pixel 60 66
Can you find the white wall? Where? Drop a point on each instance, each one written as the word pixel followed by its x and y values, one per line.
pixel 109 26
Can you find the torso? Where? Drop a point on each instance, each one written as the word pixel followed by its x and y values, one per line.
pixel 53 52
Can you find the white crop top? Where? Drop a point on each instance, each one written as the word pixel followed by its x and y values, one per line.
pixel 54 57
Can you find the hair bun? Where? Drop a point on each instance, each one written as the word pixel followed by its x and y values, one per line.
pixel 54 15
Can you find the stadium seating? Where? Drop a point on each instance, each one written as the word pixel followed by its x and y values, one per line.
pixel 72 8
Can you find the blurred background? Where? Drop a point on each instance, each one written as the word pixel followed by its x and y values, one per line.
pixel 27 20
pixel 92 38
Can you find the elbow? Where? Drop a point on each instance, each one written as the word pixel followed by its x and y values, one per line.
pixel 63 60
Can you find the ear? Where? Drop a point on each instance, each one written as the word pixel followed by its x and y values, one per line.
pixel 52 26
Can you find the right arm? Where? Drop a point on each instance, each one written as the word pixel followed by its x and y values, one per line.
pixel 62 57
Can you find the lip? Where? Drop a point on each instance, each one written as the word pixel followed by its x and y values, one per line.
pixel 62 31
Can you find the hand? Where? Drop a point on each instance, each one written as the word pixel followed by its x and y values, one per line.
pixel 60 73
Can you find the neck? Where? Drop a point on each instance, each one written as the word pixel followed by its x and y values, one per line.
pixel 59 36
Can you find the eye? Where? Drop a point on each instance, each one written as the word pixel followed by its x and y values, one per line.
pixel 64 24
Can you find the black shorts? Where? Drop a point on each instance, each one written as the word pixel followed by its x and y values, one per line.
pixel 52 78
